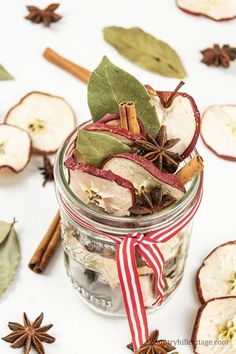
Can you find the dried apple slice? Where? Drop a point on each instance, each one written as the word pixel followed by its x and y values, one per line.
pixel 15 148
pixel 124 135
pixel 111 119
pixel 179 113
pixel 215 327
pixel 100 188
pixel 218 10
pixel 217 275
pixel 48 119
pixel 114 119
pixel 144 174
pixel 218 130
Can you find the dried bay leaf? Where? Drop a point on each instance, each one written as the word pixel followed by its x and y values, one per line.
pixel 94 148
pixel 109 85
pixel 4 74
pixel 5 229
pixel 9 255
pixel 146 51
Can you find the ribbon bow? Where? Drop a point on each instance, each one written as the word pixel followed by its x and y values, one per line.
pixel 147 247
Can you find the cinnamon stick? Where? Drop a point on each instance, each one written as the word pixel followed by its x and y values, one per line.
pixel 47 247
pixel 128 117
pixel 67 65
pixel 190 170
pixel 123 116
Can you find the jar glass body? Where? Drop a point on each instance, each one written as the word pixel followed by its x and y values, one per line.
pixel 90 258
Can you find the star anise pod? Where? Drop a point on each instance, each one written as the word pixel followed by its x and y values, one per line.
pixel 29 335
pixel 218 56
pixel 150 202
pixel 154 346
pixel 47 16
pixel 158 151
pixel 47 170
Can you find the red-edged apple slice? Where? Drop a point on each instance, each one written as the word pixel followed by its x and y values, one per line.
pixel 179 113
pixel 15 148
pixel 48 119
pixel 215 327
pixel 103 189
pixel 124 135
pixel 218 10
pixel 217 275
pixel 114 119
pixel 111 119
pixel 143 173
pixel 218 130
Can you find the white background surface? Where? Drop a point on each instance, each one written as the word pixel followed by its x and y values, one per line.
pixel 78 36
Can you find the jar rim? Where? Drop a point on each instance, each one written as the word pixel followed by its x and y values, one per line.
pixel 63 187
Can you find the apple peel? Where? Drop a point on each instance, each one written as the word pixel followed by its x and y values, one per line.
pixel 179 113
pixel 218 130
pixel 103 189
pixel 114 119
pixel 48 119
pixel 215 327
pixel 143 173
pixel 15 148
pixel 110 118
pixel 124 135
pixel 217 275
pixel 217 10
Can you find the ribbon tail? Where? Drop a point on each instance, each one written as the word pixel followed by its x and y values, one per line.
pixel 155 260
pixel 132 293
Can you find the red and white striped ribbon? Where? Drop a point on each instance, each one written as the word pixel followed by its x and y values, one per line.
pixel 147 246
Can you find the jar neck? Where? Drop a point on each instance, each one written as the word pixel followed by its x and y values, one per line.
pixel 113 224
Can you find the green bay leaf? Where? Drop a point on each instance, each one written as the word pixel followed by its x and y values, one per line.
pixel 9 257
pixel 110 85
pixel 4 74
pixel 94 147
pixel 145 50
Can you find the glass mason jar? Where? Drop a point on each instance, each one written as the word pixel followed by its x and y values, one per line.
pixel 90 258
